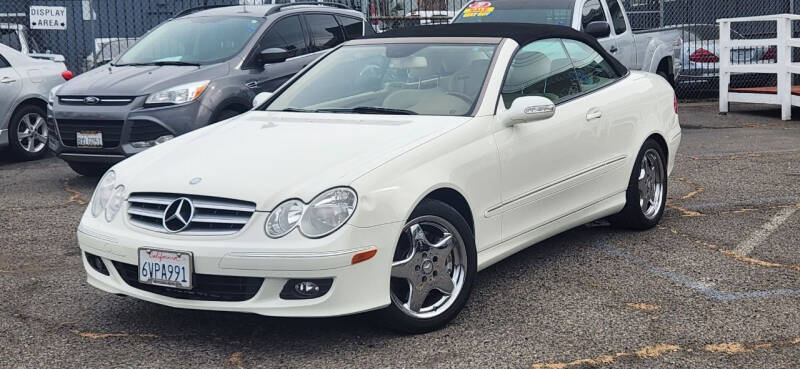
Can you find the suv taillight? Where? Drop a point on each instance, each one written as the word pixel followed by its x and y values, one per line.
pixel 703 56
pixel 66 75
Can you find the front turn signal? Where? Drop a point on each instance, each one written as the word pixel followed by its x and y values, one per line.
pixel 363 256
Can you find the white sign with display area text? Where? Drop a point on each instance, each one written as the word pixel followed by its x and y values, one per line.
pixel 48 17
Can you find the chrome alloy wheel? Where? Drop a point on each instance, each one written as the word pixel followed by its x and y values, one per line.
pixel 429 268
pixel 32 133
pixel 652 179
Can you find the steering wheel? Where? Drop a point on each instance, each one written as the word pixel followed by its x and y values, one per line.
pixel 461 96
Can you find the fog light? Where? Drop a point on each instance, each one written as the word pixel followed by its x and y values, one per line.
pixel 301 289
pixel 151 143
pixel 306 288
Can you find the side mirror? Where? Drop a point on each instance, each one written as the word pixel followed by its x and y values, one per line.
pixel 261 98
pixel 598 29
pixel 273 55
pixel 528 109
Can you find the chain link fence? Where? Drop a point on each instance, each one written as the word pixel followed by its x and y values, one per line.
pixel 88 33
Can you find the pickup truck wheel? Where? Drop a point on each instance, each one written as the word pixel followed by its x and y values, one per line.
pixel 667 77
pixel 28 133
pixel 89 169
pixel 433 269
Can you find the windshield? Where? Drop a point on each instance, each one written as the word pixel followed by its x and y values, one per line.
pixel 193 40
pixel 558 12
pixel 428 79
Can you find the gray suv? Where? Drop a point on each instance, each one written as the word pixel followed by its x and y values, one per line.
pixel 202 66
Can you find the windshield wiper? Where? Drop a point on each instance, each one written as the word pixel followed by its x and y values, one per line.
pixel 369 110
pixel 158 63
pixel 298 110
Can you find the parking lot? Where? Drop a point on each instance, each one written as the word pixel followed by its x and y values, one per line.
pixel 717 284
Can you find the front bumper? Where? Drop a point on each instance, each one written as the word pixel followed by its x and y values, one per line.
pixel 249 253
pixel 121 125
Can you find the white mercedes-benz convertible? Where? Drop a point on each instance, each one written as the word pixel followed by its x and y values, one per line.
pixel 386 175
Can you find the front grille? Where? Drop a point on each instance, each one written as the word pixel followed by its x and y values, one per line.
pixel 111 129
pixel 145 130
pixel 207 287
pixel 101 100
pixel 212 216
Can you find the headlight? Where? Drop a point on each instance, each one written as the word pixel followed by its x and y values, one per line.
pixel 178 94
pixel 328 211
pixel 103 193
pixel 284 218
pixel 115 203
pixel 324 215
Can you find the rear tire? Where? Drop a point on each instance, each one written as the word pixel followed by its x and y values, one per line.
pixel 427 263
pixel 28 133
pixel 89 169
pixel 646 195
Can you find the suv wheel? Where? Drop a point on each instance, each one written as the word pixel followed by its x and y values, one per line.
pixel 28 133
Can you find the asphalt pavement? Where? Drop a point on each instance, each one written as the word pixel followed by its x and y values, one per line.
pixel 716 285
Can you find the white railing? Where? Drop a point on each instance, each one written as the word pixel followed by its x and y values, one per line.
pixel 783 68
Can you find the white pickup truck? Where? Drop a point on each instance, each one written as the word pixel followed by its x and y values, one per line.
pixel 656 51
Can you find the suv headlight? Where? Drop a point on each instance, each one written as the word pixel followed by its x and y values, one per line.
pixel 103 192
pixel 322 216
pixel 51 98
pixel 178 94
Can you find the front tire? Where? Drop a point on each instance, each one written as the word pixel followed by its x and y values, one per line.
pixel 89 169
pixel 28 133
pixel 433 269
pixel 646 195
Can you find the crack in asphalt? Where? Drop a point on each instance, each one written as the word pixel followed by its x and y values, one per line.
pixel 730 253
pixel 686 212
pixel 656 351
pixel 76 195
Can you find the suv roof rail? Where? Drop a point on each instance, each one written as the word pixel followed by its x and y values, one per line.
pixel 278 7
pixel 196 9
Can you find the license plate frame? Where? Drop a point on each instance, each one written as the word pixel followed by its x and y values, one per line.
pixel 146 275
pixel 89 139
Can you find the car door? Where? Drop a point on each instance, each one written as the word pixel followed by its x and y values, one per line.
pixel 594 11
pixel 623 37
pixel 10 86
pixel 286 33
pixel 546 165
pixel 324 30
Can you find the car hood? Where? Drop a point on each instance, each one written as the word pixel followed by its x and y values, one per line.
pixel 268 157
pixel 109 80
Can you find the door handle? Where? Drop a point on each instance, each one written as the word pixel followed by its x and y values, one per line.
pixel 613 49
pixel 7 80
pixel 594 114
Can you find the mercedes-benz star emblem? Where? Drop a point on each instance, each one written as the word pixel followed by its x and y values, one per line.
pixel 91 100
pixel 178 215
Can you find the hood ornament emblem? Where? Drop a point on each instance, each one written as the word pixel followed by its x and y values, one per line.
pixel 91 100
pixel 195 180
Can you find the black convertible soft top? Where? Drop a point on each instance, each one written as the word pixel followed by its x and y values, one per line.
pixel 522 33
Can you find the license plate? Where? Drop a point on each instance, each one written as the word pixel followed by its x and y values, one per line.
pixel 92 139
pixel 165 268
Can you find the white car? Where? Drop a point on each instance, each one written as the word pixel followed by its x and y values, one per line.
pixel 25 84
pixel 386 175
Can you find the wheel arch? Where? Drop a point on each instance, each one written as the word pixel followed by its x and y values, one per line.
pixel 233 104
pixel 659 139
pixel 454 198
pixel 36 101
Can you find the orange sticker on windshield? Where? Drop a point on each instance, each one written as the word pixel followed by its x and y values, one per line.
pixel 478 9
